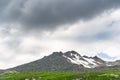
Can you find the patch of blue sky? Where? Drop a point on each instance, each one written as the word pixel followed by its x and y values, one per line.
pixel 104 56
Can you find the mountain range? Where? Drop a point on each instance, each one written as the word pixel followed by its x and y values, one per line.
pixel 68 61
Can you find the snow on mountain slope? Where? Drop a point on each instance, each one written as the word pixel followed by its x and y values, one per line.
pixel 75 58
pixel 68 61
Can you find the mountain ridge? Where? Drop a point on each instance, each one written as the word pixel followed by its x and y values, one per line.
pixel 68 61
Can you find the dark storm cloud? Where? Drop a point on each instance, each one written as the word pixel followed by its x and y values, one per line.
pixel 3 4
pixel 47 14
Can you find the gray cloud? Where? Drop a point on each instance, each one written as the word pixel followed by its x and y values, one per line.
pixel 46 15
pixel 102 36
pixel 3 4
pixel 92 35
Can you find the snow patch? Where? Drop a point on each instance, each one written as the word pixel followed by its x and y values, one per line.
pixel 86 62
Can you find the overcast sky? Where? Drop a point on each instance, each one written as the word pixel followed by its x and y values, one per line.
pixel 31 29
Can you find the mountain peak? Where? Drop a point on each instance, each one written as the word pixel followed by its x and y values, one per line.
pixel 68 61
pixel 86 56
pixel 72 54
pixel 57 53
pixel 97 58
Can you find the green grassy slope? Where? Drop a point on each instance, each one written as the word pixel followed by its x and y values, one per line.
pixel 103 75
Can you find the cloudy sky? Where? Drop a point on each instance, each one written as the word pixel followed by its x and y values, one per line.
pixel 31 29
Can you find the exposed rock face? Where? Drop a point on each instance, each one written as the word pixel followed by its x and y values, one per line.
pixel 87 62
pixel 68 61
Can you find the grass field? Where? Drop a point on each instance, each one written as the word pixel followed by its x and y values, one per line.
pixel 101 75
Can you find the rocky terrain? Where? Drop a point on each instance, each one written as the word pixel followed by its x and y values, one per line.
pixel 68 61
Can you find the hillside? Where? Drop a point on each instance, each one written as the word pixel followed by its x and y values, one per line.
pixel 68 61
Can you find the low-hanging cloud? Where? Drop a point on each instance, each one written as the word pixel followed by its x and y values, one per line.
pixel 48 14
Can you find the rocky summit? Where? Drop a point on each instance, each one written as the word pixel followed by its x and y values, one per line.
pixel 68 61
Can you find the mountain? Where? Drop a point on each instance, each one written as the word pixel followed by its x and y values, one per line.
pixel 114 63
pixel 87 62
pixel 59 61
